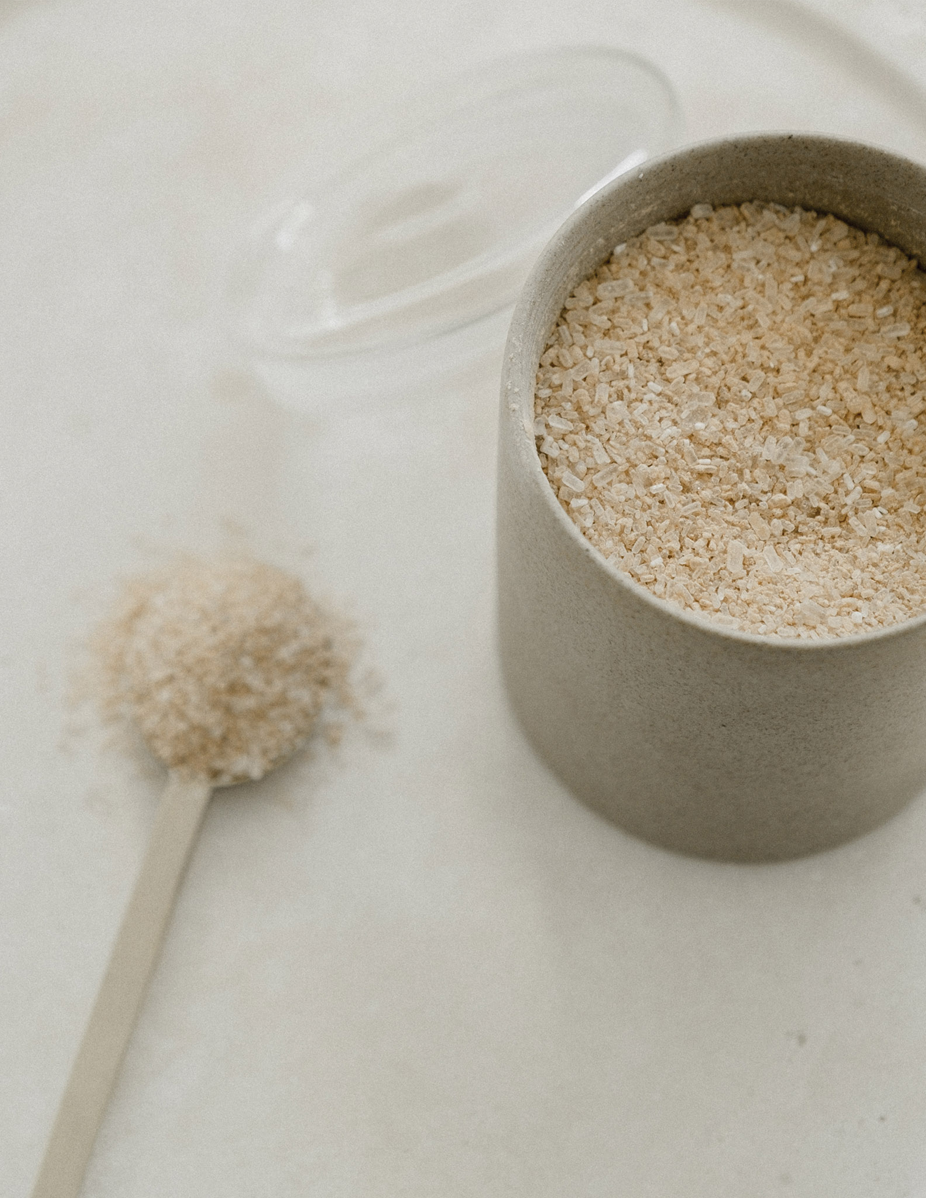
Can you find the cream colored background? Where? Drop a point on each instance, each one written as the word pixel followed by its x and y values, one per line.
pixel 414 966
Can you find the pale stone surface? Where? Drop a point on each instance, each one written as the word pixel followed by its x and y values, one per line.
pixel 417 966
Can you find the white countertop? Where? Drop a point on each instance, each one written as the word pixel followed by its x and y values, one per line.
pixel 414 966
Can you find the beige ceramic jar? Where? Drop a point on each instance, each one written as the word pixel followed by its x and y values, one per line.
pixel 696 737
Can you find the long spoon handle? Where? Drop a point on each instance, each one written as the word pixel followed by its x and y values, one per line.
pixel 121 992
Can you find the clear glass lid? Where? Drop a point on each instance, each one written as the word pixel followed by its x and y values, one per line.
pixel 438 228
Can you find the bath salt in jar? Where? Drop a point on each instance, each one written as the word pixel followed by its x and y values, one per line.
pixel 711 586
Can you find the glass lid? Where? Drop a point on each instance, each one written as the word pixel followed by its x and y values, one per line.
pixel 438 229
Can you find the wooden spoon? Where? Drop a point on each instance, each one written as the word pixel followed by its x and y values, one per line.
pixel 225 668
pixel 121 992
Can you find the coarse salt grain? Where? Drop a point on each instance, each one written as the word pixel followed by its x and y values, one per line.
pixel 751 380
pixel 224 667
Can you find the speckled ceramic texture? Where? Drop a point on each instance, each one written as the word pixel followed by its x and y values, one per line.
pixel 701 739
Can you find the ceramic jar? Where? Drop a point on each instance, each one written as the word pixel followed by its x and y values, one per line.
pixel 699 738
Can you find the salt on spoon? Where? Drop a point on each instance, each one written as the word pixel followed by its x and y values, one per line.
pixel 225 669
